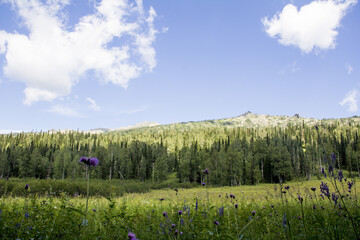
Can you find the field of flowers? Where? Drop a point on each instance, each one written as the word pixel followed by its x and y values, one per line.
pixel 317 209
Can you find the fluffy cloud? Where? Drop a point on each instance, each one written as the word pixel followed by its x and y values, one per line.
pixel 351 100
pixel 93 105
pixel 52 57
pixel 65 111
pixel 313 26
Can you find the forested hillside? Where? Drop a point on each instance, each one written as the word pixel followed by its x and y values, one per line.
pixel 248 153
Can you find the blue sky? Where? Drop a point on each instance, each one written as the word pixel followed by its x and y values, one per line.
pixel 86 64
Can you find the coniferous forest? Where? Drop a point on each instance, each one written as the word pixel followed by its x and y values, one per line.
pixel 234 155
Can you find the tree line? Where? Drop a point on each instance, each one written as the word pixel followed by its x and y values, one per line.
pixel 233 155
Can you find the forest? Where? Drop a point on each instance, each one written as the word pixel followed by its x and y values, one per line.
pixel 234 155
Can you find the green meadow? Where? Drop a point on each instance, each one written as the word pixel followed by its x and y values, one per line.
pixel 295 210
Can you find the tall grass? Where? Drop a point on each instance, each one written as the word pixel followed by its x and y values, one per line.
pixel 252 212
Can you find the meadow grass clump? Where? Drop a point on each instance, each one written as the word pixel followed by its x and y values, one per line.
pixel 297 210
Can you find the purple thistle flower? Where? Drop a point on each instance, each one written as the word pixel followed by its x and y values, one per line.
pixel 89 161
pixel 131 236
pixel 232 196
pixel 206 171
pixel 236 205
pixel 272 206
pixel 165 214
pixel 253 213
pixel 181 233
pixel 173 225
pixel 26 186
pixel 216 222
pixel 219 195
pixel 203 184
pixel 314 207
pixel 176 232
pixel 161 199
pixel 316 127
pixel 313 189
pixel 180 212
pixel 287 187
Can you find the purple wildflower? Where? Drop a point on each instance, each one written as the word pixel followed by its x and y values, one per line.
pixel 180 212
pixel 89 161
pixel 232 196
pixel 26 186
pixel 340 176
pixel 216 222
pixel 350 184
pixel 131 236
pixel 324 188
pixel 284 220
pixel 253 213
pixel 173 225
pixel 236 205
pixel 313 189
pixel 206 171
pixel 221 211
pixel 272 206
pixel 94 209
pixel 165 214
pixel 161 199
pixel 203 184
pixel 287 187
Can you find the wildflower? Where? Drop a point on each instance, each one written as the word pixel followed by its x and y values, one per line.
pixel 284 220
pixel 176 232
pixel 324 188
pixel 89 161
pixel 350 184
pixel 181 233
pixel 272 206
pixel 94 209
pixel 287 187
pixel 162 199
pixel 206 171
pixel 264 207
pixel 313 189
pixel 164 214
pixel 232 196
pixel 335 198
pixel 299 217
pixel 27 215
pixel 270 214
pixel 176 190
pixel 283 192
pixel 173 225
pixel 180 212
pixel 316 127
pixel 26 186
pixel 221 211
pixel 216 222
pixel 253 213
pixel 236 205
pixel 203 184
pixel 219 195
pixel 340 176
pixel 131 236
pixel 314 207
pixel 301 199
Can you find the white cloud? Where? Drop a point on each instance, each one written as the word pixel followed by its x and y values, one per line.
pixel 65 111
pixel 314 26
pixel 349 68
pixel 93 105
pixel 51 59
pixel 351 100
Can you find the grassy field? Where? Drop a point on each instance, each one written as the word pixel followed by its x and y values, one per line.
pixel 267 211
